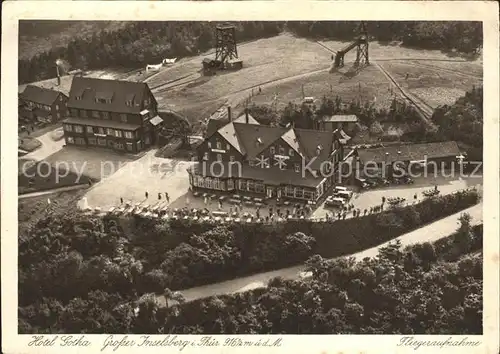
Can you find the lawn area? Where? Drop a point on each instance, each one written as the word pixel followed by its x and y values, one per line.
pixel 41 176
pixel 434 87
pixel 94 163
pixel 31 210
pixel 264 60
pixel 368 84
pixel 29 144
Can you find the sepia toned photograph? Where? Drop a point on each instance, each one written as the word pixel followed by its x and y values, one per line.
pixel 183 182
pixel 250 177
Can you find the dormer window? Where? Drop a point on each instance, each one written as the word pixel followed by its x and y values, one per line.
pixel 219 145
pixel 272 150
pixel 282 150
pixel 291 152
pixel 129 100
pixel 78 98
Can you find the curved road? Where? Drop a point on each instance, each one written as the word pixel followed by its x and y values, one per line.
pixel 429 233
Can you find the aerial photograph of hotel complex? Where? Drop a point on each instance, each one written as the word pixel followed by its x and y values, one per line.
pixel 250 177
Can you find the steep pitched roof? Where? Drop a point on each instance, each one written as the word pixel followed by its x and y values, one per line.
pixel 90 89
pixel 409 152
pixel 255 138
pixel 316 144
pixel 292 140
pixel 242 119
pixel 39 95
pixel 227 130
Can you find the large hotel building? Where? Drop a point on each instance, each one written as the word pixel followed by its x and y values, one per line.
pixel 120 115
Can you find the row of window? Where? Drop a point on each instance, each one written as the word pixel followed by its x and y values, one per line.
pixel 101 131
pixel 218 145
pixel 101 142
pixel 251 186
pixel 272 149
pixel 95 114
pixel 209 183
pixel 299 192
pixel 40 106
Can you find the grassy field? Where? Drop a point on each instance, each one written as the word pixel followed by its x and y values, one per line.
pixel 368 85
pixel 92 163
pixel 264 61
pixel 36 37
pixel 284 64
pixel 31 210
pixel 433 86
pixel 29 144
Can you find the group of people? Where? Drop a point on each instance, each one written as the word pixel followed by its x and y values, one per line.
pixel 146 194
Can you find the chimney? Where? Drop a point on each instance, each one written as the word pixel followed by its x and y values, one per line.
pixel 229 114
pixel 58 75
pixel 246 115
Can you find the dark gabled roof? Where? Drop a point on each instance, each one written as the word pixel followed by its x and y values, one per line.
pixel 102 123
pixel 39 95
pixel 119 91
pixel 255 138
pixel 315 144
pixel 409 152
pixel 252 138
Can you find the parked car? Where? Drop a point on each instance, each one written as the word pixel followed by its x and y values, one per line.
pixel 362 183
pixel 335 202
pixel 346 195
pixel 340 189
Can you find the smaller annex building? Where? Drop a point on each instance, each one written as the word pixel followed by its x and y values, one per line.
pixel 38 104
pixel 440 154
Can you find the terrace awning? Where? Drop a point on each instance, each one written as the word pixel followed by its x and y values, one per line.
pixel 156 120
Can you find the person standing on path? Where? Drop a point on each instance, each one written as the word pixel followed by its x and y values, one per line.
pixel 146 194
pixel 167 197
pixel 159 196
pixel 121 200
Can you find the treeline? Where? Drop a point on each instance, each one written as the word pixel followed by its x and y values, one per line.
pixel 65 257
pixel 416 290
pixel 463 121
pixel 141 43
pixel 137 44
pixel 73 261
pixel 463 36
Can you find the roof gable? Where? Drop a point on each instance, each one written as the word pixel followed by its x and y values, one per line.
pixel 291 139
pixel 256 138
pixel 107 95
pixel 39 95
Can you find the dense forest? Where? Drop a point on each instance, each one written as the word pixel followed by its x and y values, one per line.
pixel 70 261
pixel 137 43
pixel 428 288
